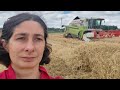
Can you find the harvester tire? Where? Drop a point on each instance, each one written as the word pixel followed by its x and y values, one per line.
pixel 69 35
pixel 79 36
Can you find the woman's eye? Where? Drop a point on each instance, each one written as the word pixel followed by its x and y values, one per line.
pixel 38 39
pixel 21 38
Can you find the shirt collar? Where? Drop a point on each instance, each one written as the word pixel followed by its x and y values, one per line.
pixel 10 74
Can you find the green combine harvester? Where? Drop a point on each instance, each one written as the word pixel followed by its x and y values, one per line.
pixel 85 29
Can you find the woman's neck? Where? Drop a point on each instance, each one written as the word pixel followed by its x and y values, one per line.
pixel 28 73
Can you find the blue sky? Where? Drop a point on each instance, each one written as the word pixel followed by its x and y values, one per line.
pixel 67 12
pixel 53 18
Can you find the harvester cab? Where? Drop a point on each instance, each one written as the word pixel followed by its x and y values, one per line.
pixel 95 23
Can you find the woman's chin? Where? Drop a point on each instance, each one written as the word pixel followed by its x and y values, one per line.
pixel 28 65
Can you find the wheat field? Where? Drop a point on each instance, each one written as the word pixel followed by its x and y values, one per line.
pixel 75 59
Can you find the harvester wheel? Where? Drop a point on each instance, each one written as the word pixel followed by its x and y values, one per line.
pixel 79 36
pixel 69 35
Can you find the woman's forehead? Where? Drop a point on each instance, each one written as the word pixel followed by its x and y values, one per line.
pixel 30 23
pixel 29 27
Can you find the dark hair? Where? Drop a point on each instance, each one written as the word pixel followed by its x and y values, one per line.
pixel 8 29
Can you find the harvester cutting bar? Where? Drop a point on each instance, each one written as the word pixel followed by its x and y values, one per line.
pixel 107 34
pixel 115 33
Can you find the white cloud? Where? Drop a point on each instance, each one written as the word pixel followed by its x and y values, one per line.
pixel 53 18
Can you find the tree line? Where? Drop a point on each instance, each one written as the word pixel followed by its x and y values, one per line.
pixel 55 30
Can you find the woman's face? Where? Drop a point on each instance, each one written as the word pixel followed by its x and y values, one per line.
pixel 26 46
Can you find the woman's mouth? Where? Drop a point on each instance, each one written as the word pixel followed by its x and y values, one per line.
pixel 28 59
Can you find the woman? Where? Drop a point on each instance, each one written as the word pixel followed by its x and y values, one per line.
pixel 24 48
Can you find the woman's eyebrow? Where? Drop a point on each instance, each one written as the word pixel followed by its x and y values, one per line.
pixel 39 35
pixel 24 34
pixel 20 34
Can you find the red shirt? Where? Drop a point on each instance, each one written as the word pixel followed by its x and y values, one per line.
pixel 10 74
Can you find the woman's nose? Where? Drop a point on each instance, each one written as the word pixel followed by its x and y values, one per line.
pixel 29 47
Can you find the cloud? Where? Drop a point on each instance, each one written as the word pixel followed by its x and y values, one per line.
pixel 55 18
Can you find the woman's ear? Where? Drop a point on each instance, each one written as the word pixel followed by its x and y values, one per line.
pixel 4 44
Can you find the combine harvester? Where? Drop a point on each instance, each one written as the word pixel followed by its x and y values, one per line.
pixel 90 29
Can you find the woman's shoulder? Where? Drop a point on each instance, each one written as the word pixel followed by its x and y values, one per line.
pixel 45 75
pixel 3 75
pixel 2 71
pixel 8 73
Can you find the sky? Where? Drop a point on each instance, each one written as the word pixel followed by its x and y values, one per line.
pixel 57 18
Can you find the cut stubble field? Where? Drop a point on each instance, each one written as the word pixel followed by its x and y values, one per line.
pixel 75 59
